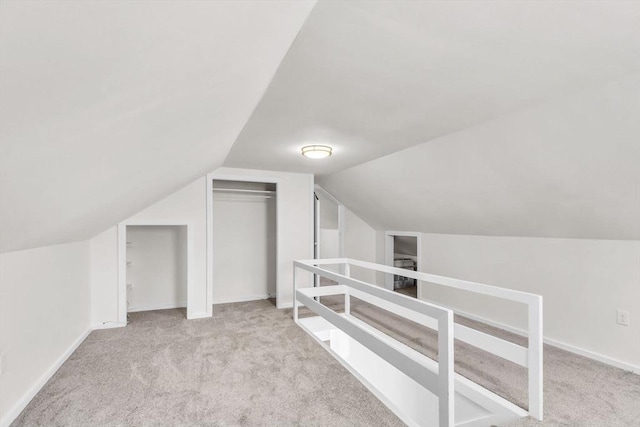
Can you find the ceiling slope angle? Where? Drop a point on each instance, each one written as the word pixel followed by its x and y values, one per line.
pixel 107 107
pixel 569 168
pixel 372 78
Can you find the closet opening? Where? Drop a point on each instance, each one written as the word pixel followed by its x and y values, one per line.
pixel 402 250
pixel 244 231
pixel 156 269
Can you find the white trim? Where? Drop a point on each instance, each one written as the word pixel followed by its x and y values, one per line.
pixel 122 273
pixel 243 299
pixel 108 325
pixel 532 301
pixel 165 306
pixel 374 390
pixel 221 176
pixel 555 343
pixel 22 403
pixel 409 361
pixel 202 315
pixel 388 255
pixel 327 194
pixel 209 252
pixel 122 260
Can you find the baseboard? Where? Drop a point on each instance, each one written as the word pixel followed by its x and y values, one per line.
pixel 286 305
pixel 108 325
pixel 558 344
pixel 242 299
pixel 13 413
pixel 198 315
pixel 149 307
pixel 593 355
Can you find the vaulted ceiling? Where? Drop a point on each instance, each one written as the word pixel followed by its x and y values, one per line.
pixel 107 107
pixel 372 78
pixel 506 118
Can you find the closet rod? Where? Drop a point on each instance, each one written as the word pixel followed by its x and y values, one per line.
pixel 239 190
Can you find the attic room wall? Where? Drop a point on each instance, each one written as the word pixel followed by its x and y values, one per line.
pixel 185 205
pixel 44 315
pixel 569 167
pixel 360 243
pixel 583 282
pixel 189 205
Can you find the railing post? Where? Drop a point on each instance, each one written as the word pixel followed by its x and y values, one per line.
pixel 535 360
pixel 445 370
pixel 295 299
pixel 347 297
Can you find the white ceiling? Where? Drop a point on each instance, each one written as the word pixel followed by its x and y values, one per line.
pixel 569 168
pixel 107 107
pixel 371 78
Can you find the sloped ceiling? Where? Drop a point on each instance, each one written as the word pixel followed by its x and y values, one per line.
pixel 569 168
pixel 372 78
pixel 503 118
pixel 106 107
pixel 488 118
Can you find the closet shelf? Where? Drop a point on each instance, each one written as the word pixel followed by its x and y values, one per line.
pixel 239 190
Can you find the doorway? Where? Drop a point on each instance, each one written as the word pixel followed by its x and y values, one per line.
pixel 402 250
pixel 154 267
pixel 244 240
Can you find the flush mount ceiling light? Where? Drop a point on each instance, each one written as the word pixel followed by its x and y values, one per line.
pixel 316 151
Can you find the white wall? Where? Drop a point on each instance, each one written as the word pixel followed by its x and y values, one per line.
pixel 329 243
pixel 295 220
pixel 186 206
pixel 583 283
pixel 104 273
pixel 294 223
pixel 157 267
pixel 124 136
pixel 44 315
pixel 244 247
pixel 568 168
pixel 359 243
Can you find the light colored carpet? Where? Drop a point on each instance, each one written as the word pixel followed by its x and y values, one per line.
pixel 250 365
pixel 577 391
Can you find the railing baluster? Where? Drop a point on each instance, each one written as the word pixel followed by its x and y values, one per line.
pixel 295 300
pixel 445 370
pixel 347 297
pixel 535 359
pixel 534 356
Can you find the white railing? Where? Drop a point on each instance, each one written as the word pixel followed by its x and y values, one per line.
pixel 407 360
pixel 529 357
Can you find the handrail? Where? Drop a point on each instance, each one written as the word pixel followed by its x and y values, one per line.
pixel 404 358
pixel 530 357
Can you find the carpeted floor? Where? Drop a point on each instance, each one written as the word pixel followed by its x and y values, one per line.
pixel 250 365
pixel 577 391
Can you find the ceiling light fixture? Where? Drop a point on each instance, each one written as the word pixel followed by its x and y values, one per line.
pixel 316 151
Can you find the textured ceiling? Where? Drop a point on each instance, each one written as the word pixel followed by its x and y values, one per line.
pixel 372 78
pixel 106 107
